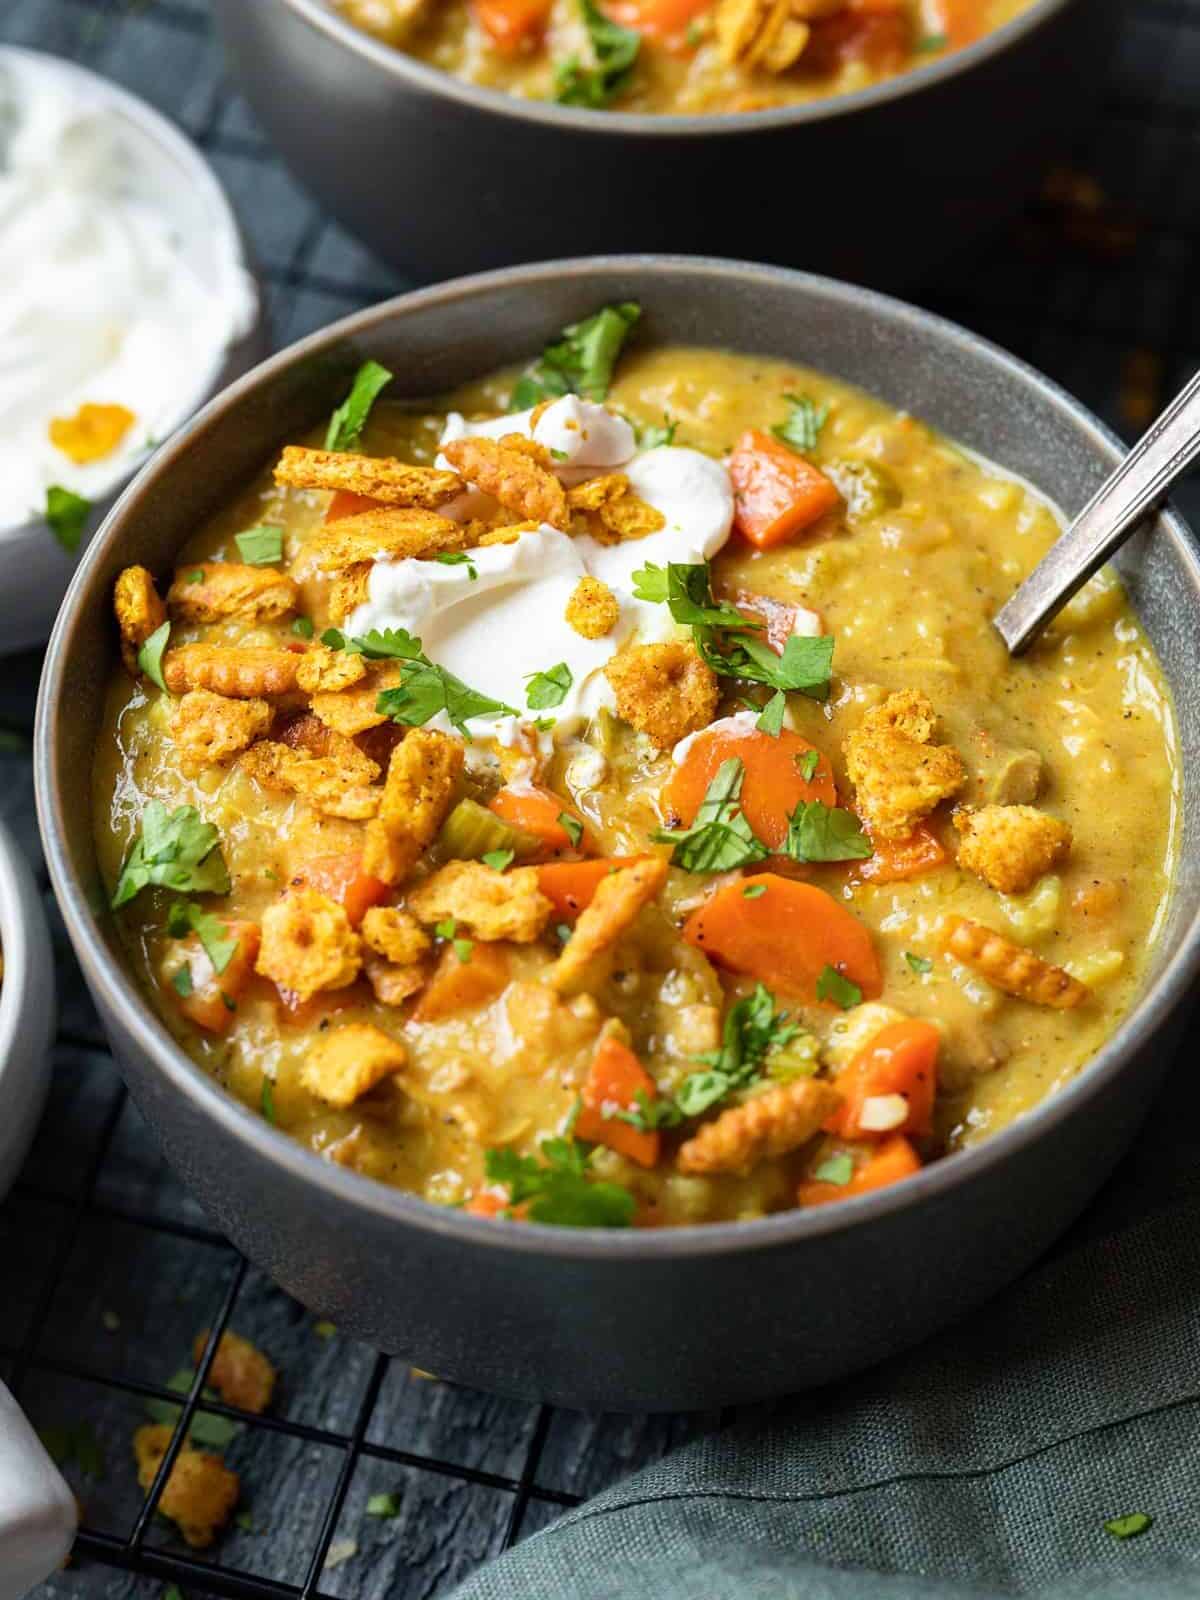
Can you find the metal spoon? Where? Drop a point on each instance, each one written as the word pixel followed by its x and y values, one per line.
pixel 1124 500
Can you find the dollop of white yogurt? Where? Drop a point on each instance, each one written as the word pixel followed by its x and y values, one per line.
pixel 99 302
pixel 495 631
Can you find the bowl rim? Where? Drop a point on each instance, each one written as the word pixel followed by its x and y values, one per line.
pixel 157 129
pixel 27 1003
pixel 123 994
pixel 320 16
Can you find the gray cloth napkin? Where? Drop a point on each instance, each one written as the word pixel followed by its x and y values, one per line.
pixel 983 1464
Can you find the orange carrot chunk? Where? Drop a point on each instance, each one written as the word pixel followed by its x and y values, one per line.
pixel 342 878
pixel 346 503
pixel 657 19
pixel 890 1161
pixel 614 1081
pixel 459 985
pixel 785 935
pixel 540 812
pixel 899 1063
pixel 776 493
pixel 512 26
pixel 773 786
pixel 900 860
pixel 571 884
pixel 212 1001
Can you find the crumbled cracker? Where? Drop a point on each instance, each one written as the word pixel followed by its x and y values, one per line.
pixel 353 711
pixel 484 903
pixel 208 728
pixel 508 534
pixel 422 777
pixel 1011 847
pixel 597 492
pixel 200 1492
pixel 764 1127
pixel 382 478
pixel 1010 966
pixel 614 908
pixel 238 671
pixel 395 935
pixel 760 34
pixel 337 786
pixel 140 612
pixel 308 944
pixel 349 590
pixel 393 984
pixel 325 671
pixel 898 773
pixel 593 609
pixel 388 534
pixel 213 590
pixel 664 690
pixel 348 1061
pixel 512 477
pixel 240 1373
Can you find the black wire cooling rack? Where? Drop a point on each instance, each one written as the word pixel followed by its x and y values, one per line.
pixel 367 1478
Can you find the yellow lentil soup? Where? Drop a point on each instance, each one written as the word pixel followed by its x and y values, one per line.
pixel 601 797
pixel 679 56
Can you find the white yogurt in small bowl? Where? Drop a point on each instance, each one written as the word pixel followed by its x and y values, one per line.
pixel 127 304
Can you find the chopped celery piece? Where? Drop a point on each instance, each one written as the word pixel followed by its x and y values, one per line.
pixel 471 832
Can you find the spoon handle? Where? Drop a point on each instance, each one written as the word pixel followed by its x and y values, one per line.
pixel 1145 475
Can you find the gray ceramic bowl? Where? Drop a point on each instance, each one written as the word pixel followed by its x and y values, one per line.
pixel 442 177
pixel 629 1320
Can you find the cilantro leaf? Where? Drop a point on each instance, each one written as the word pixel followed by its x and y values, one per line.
pixel 817 832
pixel 1130 1525
pixel 650 436
pixel 348 421
pixel 808 764
pixel 175 850
pixel 261 546
pixel 720 838
pixel 557 1187
pixel 548 689
pixel 920 964
pixel 388 644
pixel 614 50
pixel 836 1169
pixel 753 1031
pixel 572 827
pixel 66 516
pixel 266 1099
pixel 458 558
pixel 582 359
pixel 302 627
pixel 149 657
pixel 463 949
pixel 181 981
pixel 686 587
pixel 804 423
pixel 832 986
pixel 424 689
pixel 498 859
pixel 186 916
pixel 645 1114
pixel 754 891
pixel 196 575
pixel 771 719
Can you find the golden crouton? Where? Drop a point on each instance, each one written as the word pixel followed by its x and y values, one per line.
pixel 597 492
pixel 386 534
pixel 1011 847
pixel 213 590
pixel 664 690
pixel 349 590
pixel 241 672
pixel 395 483
pixel 349 1060
pixel 352 711
pixel 509 533
pixel 308 944
pixel 332 785
pixel 201 1491
pixel 1010 966
pixel 592 609
pixel 485 904
pixel 624 519
pixel 762 34
pixel 208 728
pixel 140 612
pixel 325 671
pixel 768 1125
pixel 513 477
pixel 240 1373
pixel 393 984
pixel 614 907
pixel 422 777
pixel 899 776
pixel 395 935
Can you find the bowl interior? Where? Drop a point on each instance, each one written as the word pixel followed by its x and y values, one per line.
pixel 440 337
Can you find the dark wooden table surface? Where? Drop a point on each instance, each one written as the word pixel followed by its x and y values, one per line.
pixel 107 1268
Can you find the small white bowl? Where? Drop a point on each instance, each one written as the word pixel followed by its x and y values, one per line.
pixel 34 568
pixel 37 1509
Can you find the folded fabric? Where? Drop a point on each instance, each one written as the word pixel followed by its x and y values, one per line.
pixel 986 1463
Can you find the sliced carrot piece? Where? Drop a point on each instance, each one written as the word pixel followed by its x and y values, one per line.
pixel 345 503
pixel 785 936
pixel 537 811
pixel 212 1002
pixel 777 494
pixel 887 1163
pixel 342 878
pixel 900 860
pixel 614 1081
pixel 571 884
pixel 963 21
pixel 882 39
pixel 900 1060
pixel 463 985
pixel 657 19
pixel 512 26
pixel 773 785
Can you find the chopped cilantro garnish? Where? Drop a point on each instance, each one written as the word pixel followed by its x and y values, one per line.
pixel 581 360
pixel 185 916
pixel 615 51
pixel 645 1114
pixel 557 1188
pixel 348 421
pixel 754 891
pixel 303 627
pixel 652 435
pixel 808 764
pixel 832 986
pixel 149 657
pixel 463 949
pixel 66 516
pixel 837 1169
pixel 817 832
pixel 266 1099
pixel 918 963
pixel 261 546
pixel 446 928
pixel 686 589
pixel 383 1505
pixel 458 558
pixel 931 42
pixel 771 720
pixel 196 575
pixel 804 423
pixel 572 827
pixel 176 850
pixel 425 689
pixel 753 1031
pixel 1130 1525
pixel 181 982
pixel 498 859
pixel 720 838
pixel 548 689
